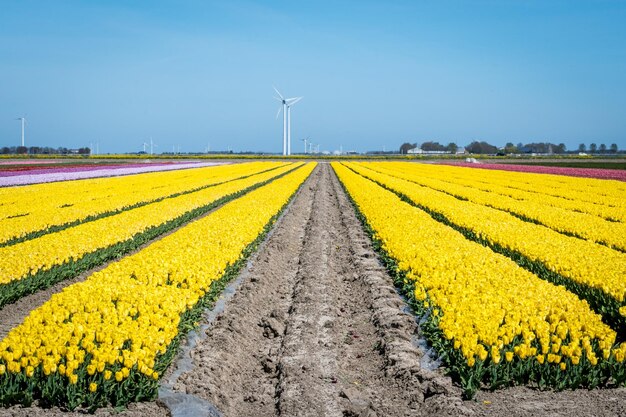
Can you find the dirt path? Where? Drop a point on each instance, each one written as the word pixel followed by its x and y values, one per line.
pixel 318 329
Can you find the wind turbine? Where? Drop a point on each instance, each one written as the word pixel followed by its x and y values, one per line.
pixel 306 141
pixel 152 146
pixel 144 147
pixel 23 119
pixel 286 109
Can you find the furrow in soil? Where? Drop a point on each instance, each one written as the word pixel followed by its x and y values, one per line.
pixel 304 336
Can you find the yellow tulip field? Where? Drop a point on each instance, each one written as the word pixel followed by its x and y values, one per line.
pixel 56 256
pixel 42 208
pixel 512 278
pixel 107 340
pixel 506 294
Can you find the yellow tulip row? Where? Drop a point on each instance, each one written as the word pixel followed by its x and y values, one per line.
pixel 590 190
pixel 482 303
pixel 533 207
pixel 121 320
pixel 29 257
pixel 593 265
pixel 575 197
pixel 599 204
pixel 37 207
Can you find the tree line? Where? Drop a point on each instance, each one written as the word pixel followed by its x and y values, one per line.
pixel 594 148
pixel 482 147
pixel 42 150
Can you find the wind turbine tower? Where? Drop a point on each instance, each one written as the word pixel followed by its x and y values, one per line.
pixel 152 146
pixel 286 104
pixel 23 119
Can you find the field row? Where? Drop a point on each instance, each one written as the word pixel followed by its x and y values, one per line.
pixel 592 271
pixel 34 210
pixel 56 256
pixel 570 220
pixel 604 192
pixel 108 339
pixel 492 321
pixel 598 198
pixel 69 172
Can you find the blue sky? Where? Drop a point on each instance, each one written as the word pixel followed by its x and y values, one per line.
pixel 373 74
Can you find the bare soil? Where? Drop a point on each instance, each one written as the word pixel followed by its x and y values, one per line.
pixel 317 328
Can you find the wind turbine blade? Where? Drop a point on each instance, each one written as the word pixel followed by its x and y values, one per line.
pixel 292 101
pixel 279 99
pixel 278 113
pixel 278 92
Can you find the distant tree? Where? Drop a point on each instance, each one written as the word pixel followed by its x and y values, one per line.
pixel 602 148
pixel 593 148
pixel 21 150
pixel 404 148
pixel 5 150
pixel 34 150
pixel 510 148
pixel 536 147
pixel 561 148
pixel 582 147
pixel 481 148
pixel 614 147
pixel 84 151
pixel 432 146
pixel 452 147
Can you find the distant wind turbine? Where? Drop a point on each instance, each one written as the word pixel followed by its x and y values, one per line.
pixel 152 146
pixel 305 143
pixel 23 119
pixel 286 109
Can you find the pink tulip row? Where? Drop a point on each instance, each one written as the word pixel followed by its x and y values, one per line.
pixel 66 174
pixel 64 168
pixel 606 174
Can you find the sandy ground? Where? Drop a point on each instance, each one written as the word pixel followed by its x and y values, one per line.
pixel 316 328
